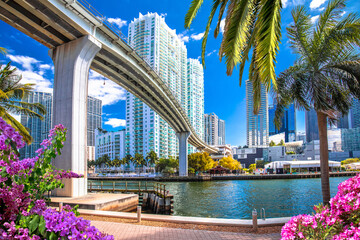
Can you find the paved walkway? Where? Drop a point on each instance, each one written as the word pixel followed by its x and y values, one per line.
pixel 125 231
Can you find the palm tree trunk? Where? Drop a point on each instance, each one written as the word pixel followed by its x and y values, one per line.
pixel 324 157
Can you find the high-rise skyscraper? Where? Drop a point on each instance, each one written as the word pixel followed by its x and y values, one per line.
pixel 355 114
pixel 94 112
pixel 288 125
pixel 257 126
pixel 211 129
pixel 311 126
pixel 39 129
pixel 167 55
pixel 221 132
pixel 214 129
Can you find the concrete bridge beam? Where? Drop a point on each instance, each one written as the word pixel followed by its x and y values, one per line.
pixel 183 152
pixel 72 62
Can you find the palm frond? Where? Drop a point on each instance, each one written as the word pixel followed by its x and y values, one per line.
pixel 221 13
pixel 268 37
pixel 298 33
pixel 3 50
pixel 206 34
pixel 191 13
pixel 352 67
pixel 237 33
pixel 250 42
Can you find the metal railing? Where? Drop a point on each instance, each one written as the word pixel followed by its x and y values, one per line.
pixel 128 187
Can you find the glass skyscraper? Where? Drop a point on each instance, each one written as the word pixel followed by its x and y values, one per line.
pixel 311 126
pixel 257 126
pixel 355 114
pixel 167 55
pixel 39 129
pixel 288 121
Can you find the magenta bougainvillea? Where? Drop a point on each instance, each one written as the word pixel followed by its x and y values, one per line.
pixel 338 221
pixel 23 186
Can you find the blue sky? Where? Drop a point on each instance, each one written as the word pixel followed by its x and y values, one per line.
pixel 223 95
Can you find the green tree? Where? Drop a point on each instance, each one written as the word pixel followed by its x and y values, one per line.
pixel 127 159
pixel 12 94
pixel 151 157
pixel 252 168
pixel 139 160
pixel 164 164
pixel 248 25
pixel 281 143
pixel 272 144
pixel 325 75
pixel 260 164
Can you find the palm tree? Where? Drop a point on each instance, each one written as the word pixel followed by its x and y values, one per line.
pixel 12 93
pixel 326 74
pixel 249 25
pixel 152 158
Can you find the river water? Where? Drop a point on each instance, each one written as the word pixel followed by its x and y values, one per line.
pixel 237 198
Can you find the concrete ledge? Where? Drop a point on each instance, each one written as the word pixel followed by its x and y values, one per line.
pixel 189 220
pixel 100 201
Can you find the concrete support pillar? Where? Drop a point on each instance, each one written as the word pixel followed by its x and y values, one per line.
pixel 72 63
pixel 183 152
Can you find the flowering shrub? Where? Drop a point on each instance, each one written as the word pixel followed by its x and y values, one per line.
pixel 338 221
pixel 23 187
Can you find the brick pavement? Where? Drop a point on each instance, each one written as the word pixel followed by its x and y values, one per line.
pixel 125 231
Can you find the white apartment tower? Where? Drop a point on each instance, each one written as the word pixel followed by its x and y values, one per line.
pixel 214 129
pixel 110 143
pixel 167 55
pixel 257 126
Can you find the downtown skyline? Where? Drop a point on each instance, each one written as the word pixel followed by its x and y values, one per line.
pixel 222 94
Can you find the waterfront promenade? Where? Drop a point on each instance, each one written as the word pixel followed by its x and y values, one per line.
pixel 221 177
pixel 125 231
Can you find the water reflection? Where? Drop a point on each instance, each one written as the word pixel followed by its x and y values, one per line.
pixel 236 199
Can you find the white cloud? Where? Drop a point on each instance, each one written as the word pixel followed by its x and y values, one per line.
pixel 45 66
pixel 116 122
pixel 198 36
pixel 33 71
pixel 118 22
pixel 25 61
pixel 316 3
pixel 42 84
pixel 222 25
pixel 183 37
pixel 163 14
pixel 211 53
pixel 343 13
pixel 314 18
pixel 321 9
pixel 109 94
pixel 284 3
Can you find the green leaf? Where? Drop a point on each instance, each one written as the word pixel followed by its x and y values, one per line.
pixel 42 228
pixel 53 236
pixel 34 223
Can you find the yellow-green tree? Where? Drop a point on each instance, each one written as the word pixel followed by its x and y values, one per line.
pixel 350 160
pixel 200 162
pixel 252 167
pixel 230 163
